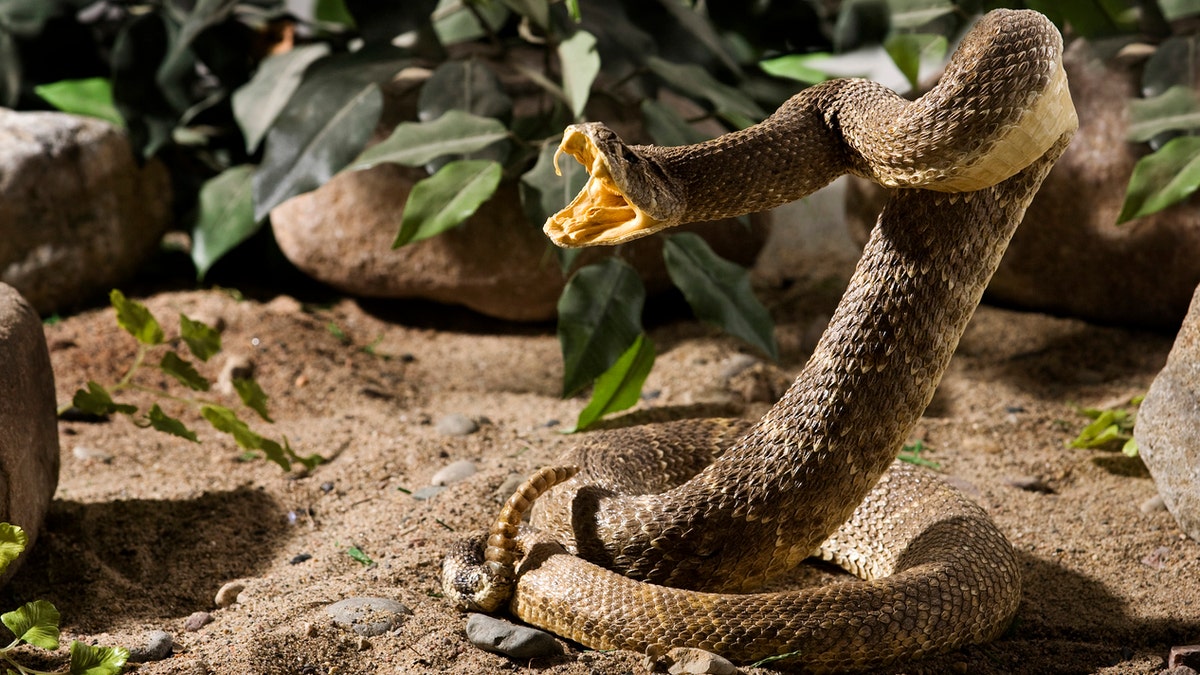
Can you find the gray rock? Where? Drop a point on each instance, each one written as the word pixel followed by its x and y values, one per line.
pixel 690 661
pixel 456 424
pixel 501 637
pixel 428 492
pixel 368 617
pixel 453 473
pixel 508 487
pixel 1168 426
pixel 196 621
pixel 77 213
pixel 29 456
pixel 1152 505
pixel 228 594
pixel 159 644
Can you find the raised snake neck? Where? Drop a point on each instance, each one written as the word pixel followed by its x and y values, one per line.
pixel 788 484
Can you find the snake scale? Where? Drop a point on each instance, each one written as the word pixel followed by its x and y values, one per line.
pixel 666 532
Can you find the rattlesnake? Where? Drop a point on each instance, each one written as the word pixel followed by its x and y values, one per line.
pixel 660 539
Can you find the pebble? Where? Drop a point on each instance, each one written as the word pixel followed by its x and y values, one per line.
pixel 368 617
pixel 501 637
pixel 86 454
pixel 1184 655
pixel 456 424
pixel 508 487
pixel 691 661
pixel 196 621
pixel 1153 504
pixel 453 473
pixel 158 647
pixel 1030 484
pixel 428 492
pixel 229 593
pixel 299 558
pixel 1157 559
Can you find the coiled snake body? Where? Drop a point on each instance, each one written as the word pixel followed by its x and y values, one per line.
pixel 664 534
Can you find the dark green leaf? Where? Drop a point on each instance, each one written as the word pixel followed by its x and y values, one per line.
pixel 97 401
pixel 1176 109
pixel 224 216
pixel 275 453
pixel 253 396
pixel 136 319
pixel 537 11
pixel 180 59
pixel 460 24
pixel 89 660
pixel 202 340
pixel 416 143
pixel 1163 179
pixel 225 420
pixel 1091 18
pixel 620 386
pixel 380 22
pixel 910 50
pixel 447 198
pixel 182 370
pixel 13 541
pixel 702 32
pixel 257 103
pixel 149 116
pixel 580 65
pixel 544 193
pixel 333 11
pixel 719 291
pixel 466 86
pixel 599 316
pixel 308 461
pixel 92 97
pixel 1172 63
pixel 25 18
pixel 667 127
pixel 170 425
pixel 34 622
pixel 692 80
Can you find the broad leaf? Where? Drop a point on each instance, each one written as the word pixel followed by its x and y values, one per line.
pixel 180 59
pixel 692 80
pixel 1177 9
pixel 1090 18
pixel 544 192
pixel 667 127
pixel 13 541
pixel 796 67
pixel 454 22
pixel 911 50
pixel 719 291
pixel 89 660
pixel 447 198
pixel 909 14
pixel 91 97
pixel 136 319
pixel 253 396
pixel 34 622
pixel 224 217
pixel 225 420
pixel 170 425
pixel 275 453
pixel 416 143
pixel 701 30
pixel 580 65
pixel 257 103
pixel 183 370
pixel 620 386
pixel 599 317
pixel 202 340
pixel 1163 179
pixel 97 401
pixel 1178 108
pixel 467 86
pixel 537 11
pixel 149 116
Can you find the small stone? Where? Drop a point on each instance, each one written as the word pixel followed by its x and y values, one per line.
pixel 86 454
pixel 428 492
pixel 229 593
pixel 1030 484
pixel 736 364
pixel 196 621
pixel 1157 559
pixel 1184 655
pixel 508 487
pixel 1179 670
pixel 1153 505
pixel 456 424
pixel 453 473
pixel 236 367
pixel 501 637
pixel 690 661
pixel 368 617
pixel 158 647
pixel 299 558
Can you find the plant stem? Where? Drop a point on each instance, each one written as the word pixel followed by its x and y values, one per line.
pixel 24 670
pixel 133 367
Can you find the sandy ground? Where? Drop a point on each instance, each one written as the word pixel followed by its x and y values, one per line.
pixel 146 528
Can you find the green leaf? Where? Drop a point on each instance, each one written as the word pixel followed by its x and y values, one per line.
pixel 253 396
pixel 580 65
pixel 1177 9
pixel 1178 108
pixel 13 541
pixel 276 453
pixel 258 103
pixel 599 317
pixel 182 370
pixel 908 14
pixel 1091 18
pixel 357 554
pixel 202 340
pixel 447 198
pixel 169 425
pixel 796 67
pixel 465 86
pixel 619 387
pixel 89 660
pixel 136 319
pixel 417 143
pixel 910 50
pixel 224 216
pixel 1162 179
pixel 225 420
pixel 333 11
pixel 180 58
pixel 692 80
pixel 308 461
pixel 454 22
pixel 667 127
pixel 90 96
pixel 719 291
pixel 97 401
pixel 537 11
pixel 34 622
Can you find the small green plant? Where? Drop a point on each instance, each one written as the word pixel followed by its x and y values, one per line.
pixel 911 453
pixel 36 623
pixel 203 342
pixel 1110 427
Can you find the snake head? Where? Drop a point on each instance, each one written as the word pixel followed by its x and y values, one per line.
pixel 472 583
pixel 622 199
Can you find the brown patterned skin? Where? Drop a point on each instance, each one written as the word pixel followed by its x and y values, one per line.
pixel 806 479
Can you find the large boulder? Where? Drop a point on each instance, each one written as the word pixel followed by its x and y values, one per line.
pixel 77 213
pixel 1069 256
pixel 28 420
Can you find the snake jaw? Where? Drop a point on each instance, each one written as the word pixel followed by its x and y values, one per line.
pixel 602 213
